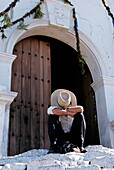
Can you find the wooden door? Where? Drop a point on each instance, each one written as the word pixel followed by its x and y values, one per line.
pixel 31 79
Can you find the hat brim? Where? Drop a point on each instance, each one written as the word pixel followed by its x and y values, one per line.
pixel 55 94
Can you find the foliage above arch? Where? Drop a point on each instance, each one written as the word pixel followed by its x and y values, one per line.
pixel 12 5
pixel 109 12
pixel 6 21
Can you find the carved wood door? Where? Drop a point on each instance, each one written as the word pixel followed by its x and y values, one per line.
pixel 31 79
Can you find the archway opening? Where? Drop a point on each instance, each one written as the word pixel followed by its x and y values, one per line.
pixel 65 73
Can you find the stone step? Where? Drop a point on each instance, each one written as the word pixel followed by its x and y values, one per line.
pixel 97 158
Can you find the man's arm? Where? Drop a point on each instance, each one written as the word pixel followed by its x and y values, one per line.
pixel 59 111
pixel 69 111
pixel 75 109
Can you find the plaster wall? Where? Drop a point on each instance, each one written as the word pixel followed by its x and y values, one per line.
pixel 96 24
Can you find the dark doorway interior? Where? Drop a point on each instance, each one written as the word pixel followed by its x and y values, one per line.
pixel 65 69
pixel 66 74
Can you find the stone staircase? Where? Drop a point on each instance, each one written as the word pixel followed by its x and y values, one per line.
pixel 97 158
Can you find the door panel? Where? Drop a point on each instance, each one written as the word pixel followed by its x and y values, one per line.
pixel 31 79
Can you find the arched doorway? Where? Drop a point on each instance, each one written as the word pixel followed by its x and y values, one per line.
pixel 66 74
pixel 28 119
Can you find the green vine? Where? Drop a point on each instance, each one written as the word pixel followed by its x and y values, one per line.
pixel 12 5
pixel 80 58
pixel 109 12
pixel 7 21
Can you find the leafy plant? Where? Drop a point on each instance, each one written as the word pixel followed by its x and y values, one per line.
pixel 22 26
pixel 38 13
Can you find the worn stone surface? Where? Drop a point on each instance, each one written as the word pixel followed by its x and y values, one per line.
pixel 97 158
pixel 45 164
pixel 14 166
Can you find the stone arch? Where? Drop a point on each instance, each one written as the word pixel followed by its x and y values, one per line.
pixel 89 51
pixel 92 57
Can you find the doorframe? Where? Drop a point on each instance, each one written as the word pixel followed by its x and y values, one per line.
pixel 90 54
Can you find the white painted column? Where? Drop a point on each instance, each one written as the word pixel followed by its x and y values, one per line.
pixel 5 100
pixel 6 97
pixel 104 92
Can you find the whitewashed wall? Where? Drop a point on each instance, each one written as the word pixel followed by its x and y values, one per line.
pixel 96 24
pixel 97 46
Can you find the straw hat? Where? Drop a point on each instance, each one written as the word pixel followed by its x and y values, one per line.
pixel 63 98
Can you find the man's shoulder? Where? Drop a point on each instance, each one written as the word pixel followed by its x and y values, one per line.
pixel 50 109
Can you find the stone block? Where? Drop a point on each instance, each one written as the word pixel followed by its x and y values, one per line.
pixel 45 165
pixel 14 166
pixel 104 162
pixel 89 167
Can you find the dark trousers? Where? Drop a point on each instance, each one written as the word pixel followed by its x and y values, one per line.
pixel 75 136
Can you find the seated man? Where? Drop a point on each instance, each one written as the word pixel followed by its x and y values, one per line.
pixel 66 123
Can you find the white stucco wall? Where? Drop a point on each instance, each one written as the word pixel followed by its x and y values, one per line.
pixel 97 47
pixel 95 23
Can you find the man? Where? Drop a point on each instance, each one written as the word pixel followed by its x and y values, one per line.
pixel 66 123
